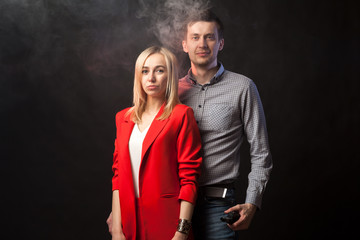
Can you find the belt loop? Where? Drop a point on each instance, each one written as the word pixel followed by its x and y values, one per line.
pixel 224 194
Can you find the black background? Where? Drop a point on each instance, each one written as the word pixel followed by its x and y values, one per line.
pixel 66 68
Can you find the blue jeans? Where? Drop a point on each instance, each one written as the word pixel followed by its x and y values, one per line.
pixel 206 223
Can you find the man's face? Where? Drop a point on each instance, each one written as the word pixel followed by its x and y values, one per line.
pixel 202 44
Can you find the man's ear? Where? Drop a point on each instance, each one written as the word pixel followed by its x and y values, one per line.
pixel 184 45
pixel 221 46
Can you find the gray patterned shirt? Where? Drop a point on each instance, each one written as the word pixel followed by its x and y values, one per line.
pixel 228 109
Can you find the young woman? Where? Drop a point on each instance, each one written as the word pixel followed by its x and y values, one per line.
pixel 157 155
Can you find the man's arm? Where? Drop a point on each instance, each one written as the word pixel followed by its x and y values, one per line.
pixel 261 161
pixel 256 134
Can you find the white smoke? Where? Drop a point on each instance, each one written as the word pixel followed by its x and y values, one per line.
pixel 167 18
pixel 104 34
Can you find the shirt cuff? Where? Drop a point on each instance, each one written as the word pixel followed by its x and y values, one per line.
pixel 254 198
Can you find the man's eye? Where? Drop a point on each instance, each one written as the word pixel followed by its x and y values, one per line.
pixel 195 38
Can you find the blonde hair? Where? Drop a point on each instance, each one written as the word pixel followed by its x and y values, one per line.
pixel 171 93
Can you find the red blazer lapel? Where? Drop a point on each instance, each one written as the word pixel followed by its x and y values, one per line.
pixel 126 127
pixel 154 130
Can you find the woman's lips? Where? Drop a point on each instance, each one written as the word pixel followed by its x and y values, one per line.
pixel 152 87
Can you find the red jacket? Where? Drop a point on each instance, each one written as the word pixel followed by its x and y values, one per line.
pixel 169 169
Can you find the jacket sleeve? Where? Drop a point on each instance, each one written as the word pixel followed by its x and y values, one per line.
pixel 189 156
pixel 115 165
pixel 115 180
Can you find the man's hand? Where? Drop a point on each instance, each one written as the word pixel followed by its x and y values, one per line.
pixel 247 212
pixel 109 222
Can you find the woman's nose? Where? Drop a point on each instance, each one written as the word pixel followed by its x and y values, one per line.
pixel 151 77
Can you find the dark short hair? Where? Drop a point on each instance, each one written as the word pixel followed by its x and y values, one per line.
pixel 206 16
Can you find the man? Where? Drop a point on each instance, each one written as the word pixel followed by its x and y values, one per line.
pixel 227 108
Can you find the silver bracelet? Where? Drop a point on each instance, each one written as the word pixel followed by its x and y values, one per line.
pixel 184 226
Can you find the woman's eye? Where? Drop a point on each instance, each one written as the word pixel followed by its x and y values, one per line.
pixel 144 71
pixel 160 70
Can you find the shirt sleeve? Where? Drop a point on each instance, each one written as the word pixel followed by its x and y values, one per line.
pixel 256 133
pixel 189 157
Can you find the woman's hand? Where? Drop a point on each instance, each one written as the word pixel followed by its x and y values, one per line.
pixel 119 236
pixel 180 236
pixel 109 222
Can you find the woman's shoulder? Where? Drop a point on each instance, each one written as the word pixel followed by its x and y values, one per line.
pixel 181 109
pixel 122 114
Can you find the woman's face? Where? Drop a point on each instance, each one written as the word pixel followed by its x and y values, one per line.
pixel 154 76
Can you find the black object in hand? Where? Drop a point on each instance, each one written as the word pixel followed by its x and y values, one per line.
pixel 231 217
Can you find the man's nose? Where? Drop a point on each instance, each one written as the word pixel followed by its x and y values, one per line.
pixel 203 43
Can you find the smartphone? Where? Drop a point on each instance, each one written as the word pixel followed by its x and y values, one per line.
pixel 231 217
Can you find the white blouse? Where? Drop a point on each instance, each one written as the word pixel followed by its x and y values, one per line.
pixel 135 148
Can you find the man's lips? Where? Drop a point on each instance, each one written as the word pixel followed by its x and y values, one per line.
pixel 202 53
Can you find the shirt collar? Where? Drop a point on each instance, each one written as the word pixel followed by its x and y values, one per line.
pixel 216 78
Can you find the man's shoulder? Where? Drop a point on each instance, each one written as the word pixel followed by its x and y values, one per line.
pixel 236 77
pixel 184 86
pixel 183 79
pixel 240 82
